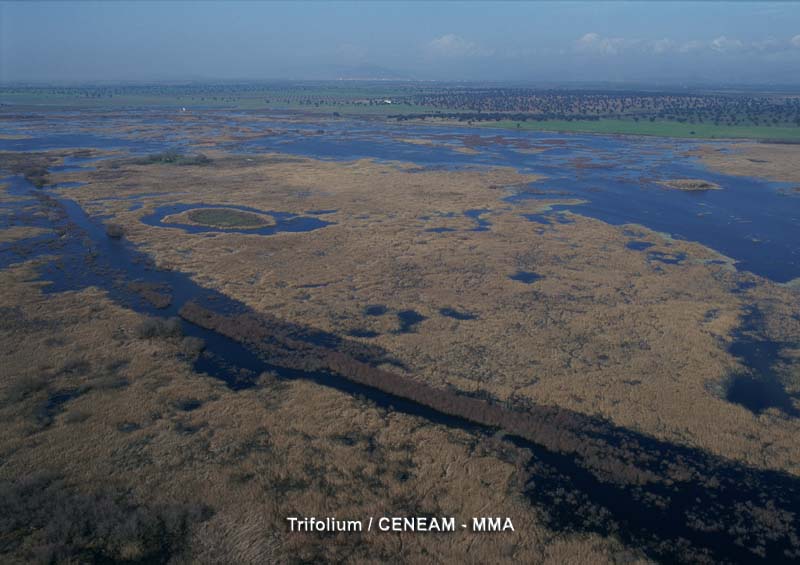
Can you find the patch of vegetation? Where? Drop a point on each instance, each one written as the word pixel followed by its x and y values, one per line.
pixel 655 128
pixel 157 327
pixel 773 115
pixel 114 231
pixel 706 114
pixel 192 347
pixel 109 382
pixel 187 404
pixel 54 404
pixel 36 175
pixel 43 520
pixel 691 185
pixel 75 417
pixel 33 166
pixel 158 295
pixel 24 386
pixel 226 218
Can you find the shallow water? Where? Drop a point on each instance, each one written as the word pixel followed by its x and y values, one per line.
pixel 757 394
pixel 408 320
pixel 638 245
pixel 526 277
pixel 760 387
pixel 375 310
pixel 457 314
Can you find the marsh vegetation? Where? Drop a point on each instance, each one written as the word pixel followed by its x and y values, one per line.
pixel 691 185
pixel 173 157
pixel 602 365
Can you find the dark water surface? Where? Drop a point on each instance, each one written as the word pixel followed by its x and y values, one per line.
pixel 526 277
pixel 760 387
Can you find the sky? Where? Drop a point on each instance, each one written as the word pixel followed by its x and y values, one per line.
pixel 657 42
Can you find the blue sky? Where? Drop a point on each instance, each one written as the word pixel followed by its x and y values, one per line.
pixel 728 42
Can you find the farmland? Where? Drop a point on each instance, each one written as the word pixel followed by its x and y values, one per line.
pixel 702 114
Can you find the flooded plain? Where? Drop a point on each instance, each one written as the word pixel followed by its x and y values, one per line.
pixel 616 179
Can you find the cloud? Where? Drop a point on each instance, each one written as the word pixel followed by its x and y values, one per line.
pixel 596 44
pixel 724 45
pixel 452 45
pixel 663 46
pixel 768 45
pixel 691 46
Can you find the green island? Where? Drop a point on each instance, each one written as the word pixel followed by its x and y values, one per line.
pixel 226 218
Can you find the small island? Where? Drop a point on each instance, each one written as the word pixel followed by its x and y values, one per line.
pixel 690 185
pixel 223 218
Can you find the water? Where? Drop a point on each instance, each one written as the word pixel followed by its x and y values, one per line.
pixel 638 245
pixel 758 394
pixel 526 277
pixel 363 333
pixel 457 314
pixel 375 310
pixel 666 258
pixel 760 387
pixel 408 321
pixel 321 212
pixel 481 223
pixel 77 140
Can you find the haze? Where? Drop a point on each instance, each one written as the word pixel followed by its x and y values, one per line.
pixel 529 42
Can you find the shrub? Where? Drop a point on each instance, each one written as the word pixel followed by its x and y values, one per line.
pixel 173 157
pixel 75 366
pixel 114 231
pixel 44 520
pixel 157 327
pixel 191 347
pixel 24 386
pixel 110 382
pixel 75 417
pixel 36 175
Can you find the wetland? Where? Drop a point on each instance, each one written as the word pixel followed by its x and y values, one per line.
pixel 616 362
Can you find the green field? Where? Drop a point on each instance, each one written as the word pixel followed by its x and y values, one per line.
pixel 657 128
pixel 226 218
pixel 320 99
pixel 367 99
